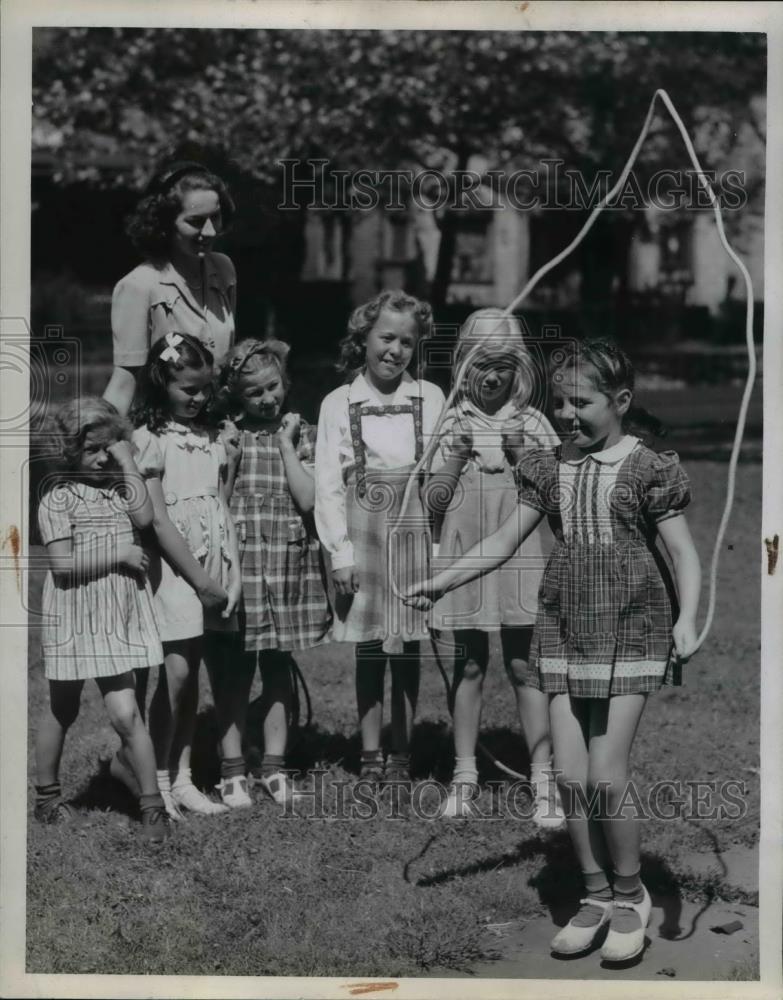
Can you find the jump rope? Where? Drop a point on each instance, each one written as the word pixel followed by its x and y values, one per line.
pixel 425 461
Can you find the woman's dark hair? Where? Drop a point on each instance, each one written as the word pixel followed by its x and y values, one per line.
pixel 151 224
pixel 176 352
pixel 363 319
pixel 612 371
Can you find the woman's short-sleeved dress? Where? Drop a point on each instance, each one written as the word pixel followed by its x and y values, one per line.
pixel 188 462
pixel 606 598
pixel 155 299
pixel 284 589
pixel 102 626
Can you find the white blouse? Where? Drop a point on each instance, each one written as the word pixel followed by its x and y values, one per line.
pixel 389 443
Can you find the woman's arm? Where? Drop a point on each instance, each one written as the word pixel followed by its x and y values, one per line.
pixel 139 508
pixel 176 550
pixel 121 388
pixel 300 481
pixel 676 537
pixel 486 555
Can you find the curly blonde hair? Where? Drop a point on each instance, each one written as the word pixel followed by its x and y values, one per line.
pixel 364 318
pixel 75 419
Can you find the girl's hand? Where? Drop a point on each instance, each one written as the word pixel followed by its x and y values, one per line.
pixel 685 636
pixel 229 435
pixel 420 596
pixel 234 594
pixel 135 558
pixel 288 433
pixel 212 595
pixel 462 445
pixel 513 442
pixel 346 581
pixel 122 454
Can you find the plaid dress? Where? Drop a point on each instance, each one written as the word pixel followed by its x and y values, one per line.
pixel 101 626
pixel 606 598
pixel 284 596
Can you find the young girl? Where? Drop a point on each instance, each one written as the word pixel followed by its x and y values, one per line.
pixel 603 637
pixel 370 433
pixel 284 605
pixel 486 432
pixel 184 463
pixel 99 619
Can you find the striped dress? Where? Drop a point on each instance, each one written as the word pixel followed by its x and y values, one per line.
pixel 102 626
pixel 284 596
pixel 606 598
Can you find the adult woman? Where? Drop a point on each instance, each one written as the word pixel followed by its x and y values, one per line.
pixel 181 286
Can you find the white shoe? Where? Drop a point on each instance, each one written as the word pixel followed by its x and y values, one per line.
pixel 190 798
pixel 620 946
pixel 548 814
pixel 233 792
pixel 458 800
pixel 279 787
pixel 573 939
pixel 120 771
pixel 171 807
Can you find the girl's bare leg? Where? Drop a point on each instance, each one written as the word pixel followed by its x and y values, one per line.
pixel 119 697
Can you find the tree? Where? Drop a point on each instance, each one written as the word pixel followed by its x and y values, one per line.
pixel 382 99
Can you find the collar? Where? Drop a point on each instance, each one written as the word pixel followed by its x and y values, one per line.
pixel 609 456
pixel 507 411
pixel 360 391
pixel 169 275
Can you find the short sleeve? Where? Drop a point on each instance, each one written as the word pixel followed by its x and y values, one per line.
pixel 54 514
pixel 130 310
pixel 149 457
pixel 668 487
pixel 537 481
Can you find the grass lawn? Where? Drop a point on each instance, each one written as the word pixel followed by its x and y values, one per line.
pixel 259 893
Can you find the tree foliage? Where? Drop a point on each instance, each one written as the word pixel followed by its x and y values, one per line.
pixel 376 99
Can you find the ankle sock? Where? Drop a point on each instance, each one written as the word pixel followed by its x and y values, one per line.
pixel 232 767
pixel 372 760
pixel 152 801
pixel 596 887
pixel 627 889
pixel 45 793
pixel 272 763
pixel 164 781
pixel 465 771
pixel 184 777
pixel 399 762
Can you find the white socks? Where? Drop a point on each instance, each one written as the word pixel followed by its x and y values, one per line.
pixel 465 771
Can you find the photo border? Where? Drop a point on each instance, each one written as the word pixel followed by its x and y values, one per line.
pixel 17 18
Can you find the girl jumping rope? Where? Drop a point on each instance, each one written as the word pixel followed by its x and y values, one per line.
pixel 484 435
pixel 184 464
pixel 370 433
pixel 99 619
pixel 604 636
pixel 284 601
